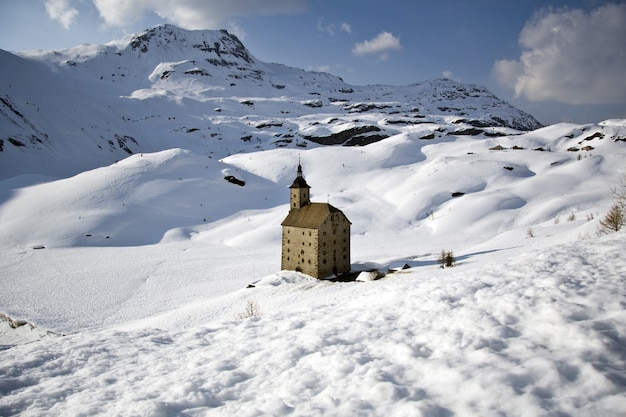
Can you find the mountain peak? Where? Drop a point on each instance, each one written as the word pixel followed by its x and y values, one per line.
pixel 218 44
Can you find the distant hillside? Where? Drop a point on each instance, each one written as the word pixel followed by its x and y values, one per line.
pixel 166 87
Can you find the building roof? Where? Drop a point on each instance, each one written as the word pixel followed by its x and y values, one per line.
pixel 299 182
pixel 311 216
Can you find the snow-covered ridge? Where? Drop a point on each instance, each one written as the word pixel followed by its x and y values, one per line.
pixel 168 87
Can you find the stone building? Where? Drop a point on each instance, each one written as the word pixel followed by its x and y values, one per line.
pixel 316 236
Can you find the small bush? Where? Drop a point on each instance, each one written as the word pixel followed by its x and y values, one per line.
pixel 530 233
pixel 446 259
pixel 252 310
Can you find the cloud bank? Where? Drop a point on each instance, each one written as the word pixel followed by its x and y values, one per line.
pixel 192 14
pixel 380 44
pixel 61 11
pixel 570 56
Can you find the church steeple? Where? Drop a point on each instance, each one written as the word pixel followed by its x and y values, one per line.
pixel 299 191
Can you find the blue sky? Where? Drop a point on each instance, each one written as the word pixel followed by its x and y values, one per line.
pixel 558 60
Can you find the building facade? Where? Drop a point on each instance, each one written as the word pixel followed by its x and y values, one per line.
pixel 316 236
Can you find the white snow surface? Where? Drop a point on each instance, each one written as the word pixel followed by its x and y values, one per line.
pixel 144 266
pixel 133 275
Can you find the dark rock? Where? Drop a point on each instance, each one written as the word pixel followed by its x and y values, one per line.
pixel 122 142
pixel 197 71
pixel 16 142
pixel 313 103
pixel 364 140
pixel 597 135
pixel 268 124
pixel 470 132
pixel 233 180
pixel 364 107
pixel 346 135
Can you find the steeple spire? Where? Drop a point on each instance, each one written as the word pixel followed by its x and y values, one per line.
pixel 299 195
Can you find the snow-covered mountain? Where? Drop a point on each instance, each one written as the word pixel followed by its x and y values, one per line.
pixel 142 187
pixel 202 90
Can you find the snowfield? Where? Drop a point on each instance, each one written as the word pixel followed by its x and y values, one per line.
pixel 146 264
pixel 541 334
pixel 128 259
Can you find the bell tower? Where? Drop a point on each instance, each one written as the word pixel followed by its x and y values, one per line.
pixel 299 191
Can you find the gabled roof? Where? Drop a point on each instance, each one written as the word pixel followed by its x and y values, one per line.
pixel 311 216
pixel 299 182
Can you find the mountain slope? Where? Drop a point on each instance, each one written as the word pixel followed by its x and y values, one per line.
pixel 203 91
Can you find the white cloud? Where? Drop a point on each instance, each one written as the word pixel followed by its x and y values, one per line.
pixel 61 11
pixel 323 27
pixel 331 27
pixel 192 14
pixel 380 44
pixel 570 56
pixel 447 74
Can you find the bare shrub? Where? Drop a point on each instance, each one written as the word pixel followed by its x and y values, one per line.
pixel 252 310
pixel 446 259
pixel 615 218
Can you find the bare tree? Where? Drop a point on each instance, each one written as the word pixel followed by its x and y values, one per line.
pixel 615 219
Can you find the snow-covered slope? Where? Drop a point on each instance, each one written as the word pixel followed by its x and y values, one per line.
pixel 203 91
pixel 145 263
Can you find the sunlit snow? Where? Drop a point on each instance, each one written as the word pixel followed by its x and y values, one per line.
pixel 133 275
